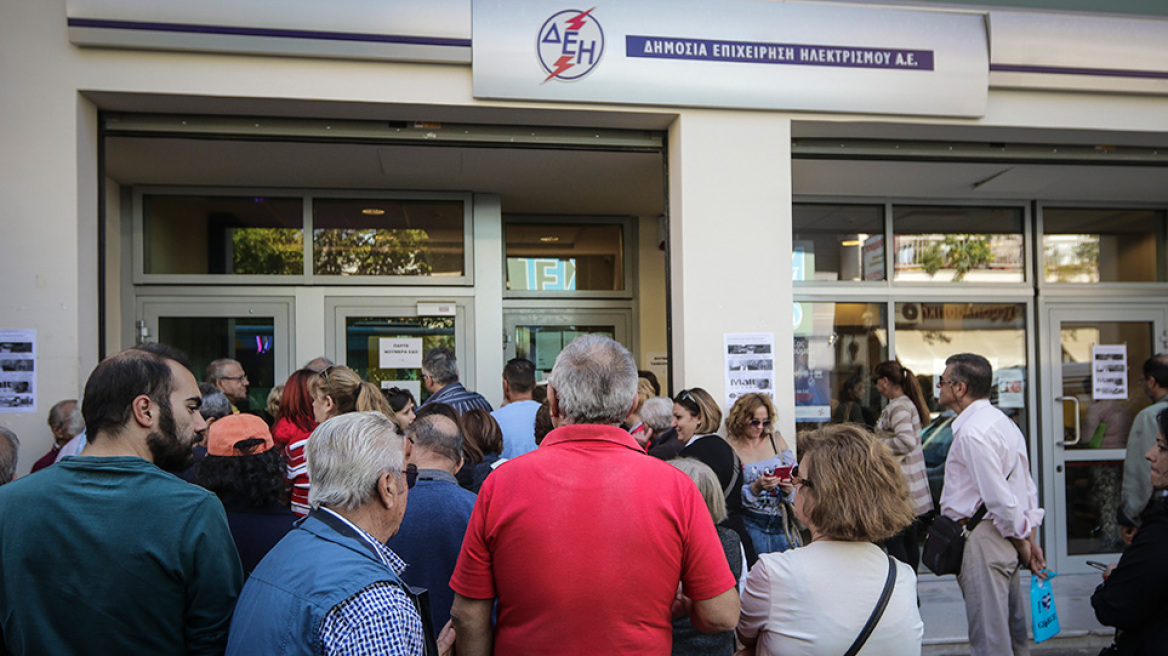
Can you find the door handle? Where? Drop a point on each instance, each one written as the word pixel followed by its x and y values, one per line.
pixel 1078 433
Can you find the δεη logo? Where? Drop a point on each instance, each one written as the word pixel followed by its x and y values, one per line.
pixel 570 44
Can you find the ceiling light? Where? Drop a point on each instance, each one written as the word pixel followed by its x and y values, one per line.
pixel 549 239
pixel 373 211
pixel 850 242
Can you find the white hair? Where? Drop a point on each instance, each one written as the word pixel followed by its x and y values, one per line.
pixel 347 455
pixel 657 413
pixel 595 380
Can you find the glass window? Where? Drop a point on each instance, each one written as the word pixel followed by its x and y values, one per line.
pixel 542 344
pixel 928 333
pixel 363 341
pixel 565 257
pixel 388 237
pixel 958 244
pixel 223 235
pixel 838 242
pixel 1102 245
pixel 247 339
pixel 836 346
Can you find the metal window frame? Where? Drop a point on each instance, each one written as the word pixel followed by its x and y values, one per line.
pixel 308 277
pixel 629 262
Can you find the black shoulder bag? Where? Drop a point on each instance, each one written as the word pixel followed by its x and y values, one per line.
pixel 945 543
pixel 877 612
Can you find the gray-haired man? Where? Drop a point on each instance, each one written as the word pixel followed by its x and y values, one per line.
pixel 331 585
pixel 440 376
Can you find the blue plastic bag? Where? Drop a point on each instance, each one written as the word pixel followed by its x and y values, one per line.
pixel 1044 616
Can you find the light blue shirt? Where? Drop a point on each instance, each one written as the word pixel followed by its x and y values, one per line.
pixel 517 421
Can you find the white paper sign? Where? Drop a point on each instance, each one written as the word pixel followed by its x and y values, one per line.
pixel 414 387
pixel 1011 389
pixel 18 371
pixel 400 353
pixel 750 364
pixel 1109 371
pixel 658 363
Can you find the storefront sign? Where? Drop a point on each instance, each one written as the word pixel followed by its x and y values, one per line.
pixel 737 54
pixel 1109 371
pixel 873 250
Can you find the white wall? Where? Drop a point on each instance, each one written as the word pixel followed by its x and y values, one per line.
pixel 730 203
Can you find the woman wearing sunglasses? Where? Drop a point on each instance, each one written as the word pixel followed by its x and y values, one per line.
pixel 766 466
pixel 696 416
pixel 818 599
pixel 899 427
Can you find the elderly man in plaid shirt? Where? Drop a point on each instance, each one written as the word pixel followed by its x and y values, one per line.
pixel 331 586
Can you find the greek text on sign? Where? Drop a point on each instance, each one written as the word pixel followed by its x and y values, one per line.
pixel 400 352
pixel 660 47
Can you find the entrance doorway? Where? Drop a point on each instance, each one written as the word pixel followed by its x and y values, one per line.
pixel 1094 388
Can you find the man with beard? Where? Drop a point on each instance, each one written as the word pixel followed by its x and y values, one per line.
pixel 107 552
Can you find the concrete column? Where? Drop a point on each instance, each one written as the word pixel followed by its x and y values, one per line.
pixel 730 232
pixel 487 327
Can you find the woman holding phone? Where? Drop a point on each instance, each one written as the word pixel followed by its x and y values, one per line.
pixel 766 467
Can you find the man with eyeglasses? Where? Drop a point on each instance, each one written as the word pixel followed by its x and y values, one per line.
pixel 229 377
pixel 988 465
pixel 583 541
pixel 331 585
pixel 1137 481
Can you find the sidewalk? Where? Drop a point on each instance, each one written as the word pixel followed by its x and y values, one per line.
pixel 946 632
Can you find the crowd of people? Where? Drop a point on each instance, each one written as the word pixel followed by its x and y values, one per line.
pixel 589 514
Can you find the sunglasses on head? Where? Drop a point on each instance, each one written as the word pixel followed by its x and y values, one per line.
pixel 688 400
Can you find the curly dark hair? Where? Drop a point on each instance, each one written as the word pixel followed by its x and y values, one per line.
pixel 255 480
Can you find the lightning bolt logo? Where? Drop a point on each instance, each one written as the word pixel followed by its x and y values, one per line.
pixel 562 64
pixel 576 23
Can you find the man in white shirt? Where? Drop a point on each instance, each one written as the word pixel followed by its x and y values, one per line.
pixel 988 464
pixel 517 416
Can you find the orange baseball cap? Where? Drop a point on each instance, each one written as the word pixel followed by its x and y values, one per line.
pixel 225 433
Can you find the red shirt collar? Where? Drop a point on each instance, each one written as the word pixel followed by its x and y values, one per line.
pixel 591 432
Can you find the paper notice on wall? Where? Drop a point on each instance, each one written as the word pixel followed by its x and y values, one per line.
pixel 413 386
pixel 18 371
pixel 400 352
pixel 658 363
pixel 1011 390
pixel 1109 371
pixel 750 364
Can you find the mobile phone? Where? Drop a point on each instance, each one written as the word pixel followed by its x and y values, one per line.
pixel 1097 565
pixel 783 472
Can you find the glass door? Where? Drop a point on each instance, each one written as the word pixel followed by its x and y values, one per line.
pixel 383 340
pixel 254 331
pixel 1093 389
pixel 540 335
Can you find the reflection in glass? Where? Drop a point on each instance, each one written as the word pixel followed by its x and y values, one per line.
pixel 1103 245
pixel 542 344
pixel 223 235
pixel 363 341
pixel 838 242
pixel 928 333
pixel 836 346
pixel 558 257
pixel 1105 423
pixel 251 340
pixel 956 244
pixel 387 237
pixel 1093 492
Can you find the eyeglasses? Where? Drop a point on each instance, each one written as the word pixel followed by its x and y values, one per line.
pixel 942 382
pixel 798 480
pixel 235 378
pixel 685 398
pixel 756 423
pixel 324 373
pixel 411 472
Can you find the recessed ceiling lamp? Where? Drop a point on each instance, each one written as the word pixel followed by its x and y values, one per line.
pixel 549 239
pixel 850 242
pixel 373 211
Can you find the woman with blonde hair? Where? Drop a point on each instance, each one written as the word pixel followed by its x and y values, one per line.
pixel 686 638
pixel 823 598
pixel 899 427
pixel 766 466
pixel 338 390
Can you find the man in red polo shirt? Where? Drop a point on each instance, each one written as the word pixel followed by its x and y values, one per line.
pixel 583 542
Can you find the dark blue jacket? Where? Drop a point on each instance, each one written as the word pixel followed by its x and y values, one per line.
pixel 315 567
pixel 430 537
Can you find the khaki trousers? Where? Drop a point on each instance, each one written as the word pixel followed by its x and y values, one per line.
pixel 990 584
